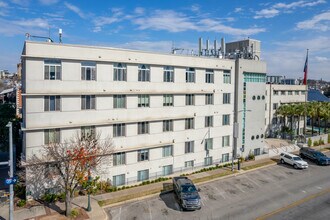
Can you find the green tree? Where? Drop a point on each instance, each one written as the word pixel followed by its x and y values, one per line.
pixel 7 113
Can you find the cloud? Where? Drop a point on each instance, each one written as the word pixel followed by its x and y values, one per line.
pixel 278 8
pixel 195 8
pixel 139 11
pixel 117 16
pixel 36 26
pixel 266 13
pixel 237 10
pixel 169 20
pixel 75 9
pixel 3 4
pixel 165 20
pixel 322 59
pixel 21 2
pixel 48 2
pixel 288 58
pixel 319 22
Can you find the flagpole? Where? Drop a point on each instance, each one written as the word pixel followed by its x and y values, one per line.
pixel 306 91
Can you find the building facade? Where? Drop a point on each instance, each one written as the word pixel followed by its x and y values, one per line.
pixel 164 113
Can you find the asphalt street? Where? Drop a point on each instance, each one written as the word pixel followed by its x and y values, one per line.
pixel 276 192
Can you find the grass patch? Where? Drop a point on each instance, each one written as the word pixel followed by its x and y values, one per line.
pixel 258 165
pixel 207 178
pixel 128 197
pixel 325 149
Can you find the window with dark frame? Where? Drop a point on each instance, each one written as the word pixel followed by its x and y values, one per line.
pixel 88 70
pixel 119 72
pixel 143 155
pixel 52 69
pixel 119 130
pixel 144 73
pixel 87 102
pixel 52 103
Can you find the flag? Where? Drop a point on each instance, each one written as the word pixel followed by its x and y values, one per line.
pixel 305 70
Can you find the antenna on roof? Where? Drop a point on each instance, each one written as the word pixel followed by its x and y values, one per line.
pixel 60 34
pixel 29 36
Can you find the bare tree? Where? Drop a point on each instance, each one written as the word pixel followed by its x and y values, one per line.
pixel 67 165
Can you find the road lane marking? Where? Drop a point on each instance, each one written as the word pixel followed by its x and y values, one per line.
pixel 149 211
pixel 222 193
pixel 294 204
pixel 251 180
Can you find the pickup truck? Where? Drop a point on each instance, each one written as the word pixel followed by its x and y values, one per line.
pixel 187 193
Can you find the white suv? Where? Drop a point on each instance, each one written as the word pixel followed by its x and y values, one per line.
pixel 293 160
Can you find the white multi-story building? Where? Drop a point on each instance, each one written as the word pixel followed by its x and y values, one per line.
pixel 165 113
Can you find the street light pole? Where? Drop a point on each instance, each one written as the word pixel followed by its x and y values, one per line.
pixel 89 207
pixel 11 172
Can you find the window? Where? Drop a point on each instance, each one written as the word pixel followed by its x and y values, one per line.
pixel 256 151
pixel 87 102
pixel 119 158
pixel 143 155
pixel 296 92
pixel 52 136
pixel 303 92
pixel 275 92
pixel 209 99
pixel 144 73
pixel 88 71
pixel 189 163
pixel 190 75
pixel 226 77
pixel 168 74
pixel 119 130
pixel 167 100
pixel 119 101
pixel 189 123
pixel 208 121
pixel 208 161
pixel 167 170
pixel 275 106
pixel 208 144
pixel 225 158
pixel 226 98
pixel 52 103
pixel 143 175
pixel 143 127
pixel 52 69
pixel 225 119
pixel 189 147
pixel 119 72
pixel 289 92
pixel 118 180
pixel 282 92
pixel 87 132
pixel 167 125
pixel 225 141
pixel 168 151
pixel 190 99
pixel 143 100
pixel 209 76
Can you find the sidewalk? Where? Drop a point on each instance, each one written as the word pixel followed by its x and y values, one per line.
pixel 132 194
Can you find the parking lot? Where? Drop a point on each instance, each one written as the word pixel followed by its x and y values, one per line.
pixel 245 196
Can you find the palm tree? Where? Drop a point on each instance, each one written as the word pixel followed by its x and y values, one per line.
pixel 299 111
pixel 325 114
pixel 283 111
pixel 312 113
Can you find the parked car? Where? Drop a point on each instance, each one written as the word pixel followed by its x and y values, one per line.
pixel 293 160
pixel 187 193
pixel 314 155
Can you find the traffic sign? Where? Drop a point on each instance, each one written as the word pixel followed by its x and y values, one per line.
pixel 10 181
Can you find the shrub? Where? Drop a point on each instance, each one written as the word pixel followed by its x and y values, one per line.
pixel 49 197
pixel 315 143
pixel 20 190
pixel 328 138
pixel 61 197
pixel 74 213
pixel 321 142
pixel 309 142
pixel 251 156
pixel 21 203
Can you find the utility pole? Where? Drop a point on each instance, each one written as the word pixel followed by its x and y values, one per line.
pixel 11 171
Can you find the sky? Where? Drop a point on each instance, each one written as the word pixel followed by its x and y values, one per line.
pixel 286 29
